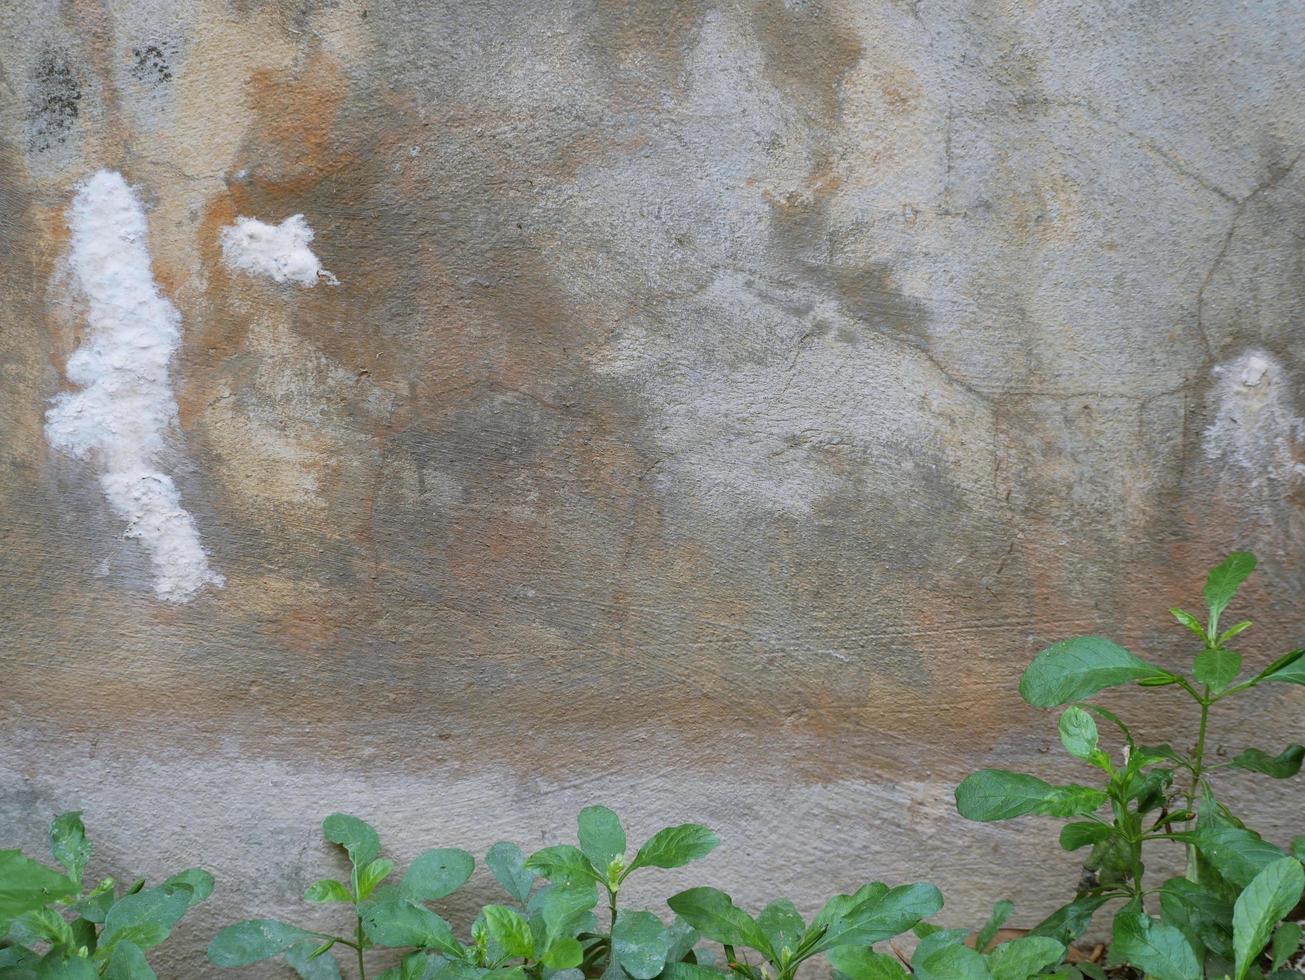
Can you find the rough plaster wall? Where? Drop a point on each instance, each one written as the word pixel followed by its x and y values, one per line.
pixel 719 404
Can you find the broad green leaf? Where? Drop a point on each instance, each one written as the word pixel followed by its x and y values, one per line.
pixel 1072 670
pixel 145 917
pixel 508 866
pixel 398 922
pixel 838 906
pixel 1286 941
pixel 690 971
pixel 673 847
pixel 41 925
pixel 358 838
pixel 25 884
pixel 683 938
pixel 1284 765
pixel 327 890
pixel 1203 916
pixel 199 881
pixel 69 845
pixel 563 863
pixel 861 963
pixel 1216 667
pixel 322 966
pixel 1069 922
pixel 253 940
pixel 1266 900
pixel 601 836
pixel 372 875
pixel 1160 950
pixel 1223 582
pixel 565 954
pixel 58 964
pixel 1236 853
pixel 1287 669
pixel 640 943
pixel 1078 732
pixel 564 909
pixel 783 925
pixel 943 955
pixel 882 915
pixel 437 873
pixel 996 794
pixel 95 905
pixel 713 914
pixel 1000 913
pixel 1076 835
pixel 127 962
pixel 510 930
pixel 1022 958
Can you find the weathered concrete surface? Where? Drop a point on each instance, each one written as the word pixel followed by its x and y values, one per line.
pixel 719 404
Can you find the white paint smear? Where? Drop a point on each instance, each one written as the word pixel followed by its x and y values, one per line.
pixel 279 252
pixel 1255 427
pixel 125 407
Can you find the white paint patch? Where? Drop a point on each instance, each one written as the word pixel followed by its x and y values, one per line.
pixel 126 406
pixel 279 252
pixel 1255 427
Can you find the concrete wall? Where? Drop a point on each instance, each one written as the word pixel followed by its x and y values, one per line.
pixel 716 406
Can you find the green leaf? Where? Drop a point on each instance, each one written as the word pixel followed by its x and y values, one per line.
pixel 508 866
pixel 563 863
pixel 372 875
pixel 601 836
pixel 1236 853
pixel 327 890
pixel 1069 922
pixel 145 917
pixel 673 847
pixel 1204 917
pixel 944 956
pixel 640 943
pixel 885 913
pixel 510 930
pixel 355 836
pixel 1236 630
pixel 59 964
pixel 783 925
pixel 304 958
pixel 1072 670
pixel 69 845
pixel 437 873
pixel 564 909
pixel 1286 940
pixel 1216 667
pixel 1188 620
pixel 861 963
pixel 1223 582
pixel 1160 950
pixel 253 940
pixel 25 884
pixel 1022 958
pixel 398 923
pixel 127 962
pixel 1287 669
pixel 565 954
pixel 1078 733
pixel 1076 835
pixel 1266 900
pixel 1000 913
pixel 715 915
pixel 199 881
pixel 996 794
pixel 1284 765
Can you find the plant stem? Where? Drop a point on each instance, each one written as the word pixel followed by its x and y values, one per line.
pixel 611 904
pixel 1198 763
pixel 362 965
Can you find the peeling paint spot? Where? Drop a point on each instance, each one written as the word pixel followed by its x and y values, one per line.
pixel 53 107
pixel 280 252
pixel 1255 428
pixel 126 406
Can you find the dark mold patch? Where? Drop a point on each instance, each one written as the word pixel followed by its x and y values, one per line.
pixel 150 65
pixel 52 107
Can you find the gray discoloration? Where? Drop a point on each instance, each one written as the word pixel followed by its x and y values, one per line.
pixel 720 403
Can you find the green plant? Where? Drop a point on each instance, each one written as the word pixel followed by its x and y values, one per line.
pixel 783 941
pixel 53 928
pixel 1218 918
pixel 432 875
